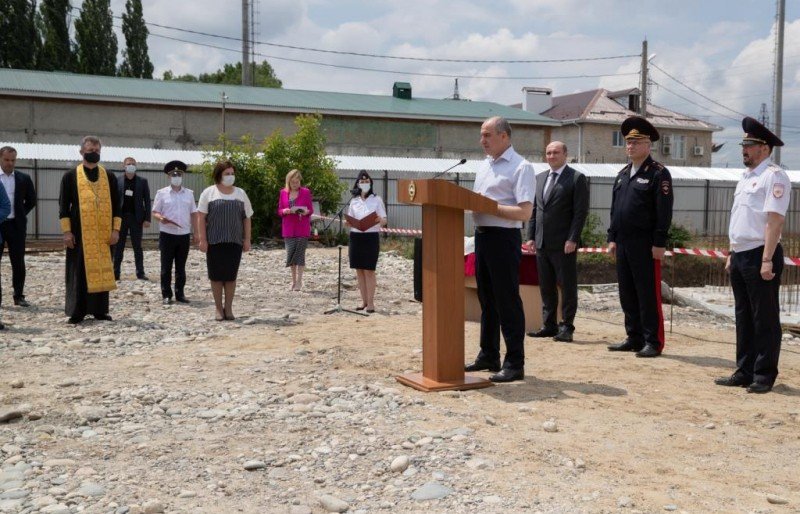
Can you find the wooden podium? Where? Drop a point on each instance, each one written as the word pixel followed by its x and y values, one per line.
pixel 443 205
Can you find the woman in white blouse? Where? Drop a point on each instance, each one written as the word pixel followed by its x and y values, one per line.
pixel 364 245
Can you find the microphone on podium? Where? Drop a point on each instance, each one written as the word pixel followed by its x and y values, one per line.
pixel 459 163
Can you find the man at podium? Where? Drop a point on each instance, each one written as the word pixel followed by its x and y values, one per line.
pixel 508 179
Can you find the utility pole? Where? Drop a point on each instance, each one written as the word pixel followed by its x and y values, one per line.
pixel 643 85
pixel 777 95
pixel 247 75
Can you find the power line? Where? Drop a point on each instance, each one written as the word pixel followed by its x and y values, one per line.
pixel 396 72
pixel 693 102
pixel 383 56
pixel 696 91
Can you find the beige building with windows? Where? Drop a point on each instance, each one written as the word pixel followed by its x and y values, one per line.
pixel 591 121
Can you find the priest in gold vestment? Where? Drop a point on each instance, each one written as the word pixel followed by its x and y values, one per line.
pixel 90 220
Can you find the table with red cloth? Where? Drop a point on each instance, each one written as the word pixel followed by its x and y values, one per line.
pixel 528 273
pixel 528 290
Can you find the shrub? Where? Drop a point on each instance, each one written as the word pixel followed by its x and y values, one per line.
pixel 593 234
pixel 678 236
pixel 261 170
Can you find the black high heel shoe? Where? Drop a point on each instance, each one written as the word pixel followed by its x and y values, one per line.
pixel 361 308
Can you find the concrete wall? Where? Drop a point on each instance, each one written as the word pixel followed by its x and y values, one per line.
pixel 120 124
pixel 597 145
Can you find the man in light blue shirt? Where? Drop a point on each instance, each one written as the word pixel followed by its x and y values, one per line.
pixel 508 179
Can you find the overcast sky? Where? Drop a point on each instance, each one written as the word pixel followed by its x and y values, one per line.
pixel 721 48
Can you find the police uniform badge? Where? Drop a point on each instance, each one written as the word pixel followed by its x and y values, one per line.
pixel 665 187
pixel 778 190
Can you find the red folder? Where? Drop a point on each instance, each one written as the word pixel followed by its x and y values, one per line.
pixel 368 221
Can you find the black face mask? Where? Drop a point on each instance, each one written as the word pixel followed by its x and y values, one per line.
pixel 92 157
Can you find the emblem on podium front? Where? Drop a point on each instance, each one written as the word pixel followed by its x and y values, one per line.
pixel 412 190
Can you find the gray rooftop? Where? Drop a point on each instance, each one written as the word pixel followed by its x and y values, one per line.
pixel 116 89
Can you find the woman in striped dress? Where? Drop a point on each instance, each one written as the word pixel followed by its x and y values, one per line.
pixel 223 228
pixel 295 208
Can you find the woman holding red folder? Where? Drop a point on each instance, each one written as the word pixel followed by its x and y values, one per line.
pixel 365 241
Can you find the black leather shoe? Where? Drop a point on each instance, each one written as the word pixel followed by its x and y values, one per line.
pixel 757 388
pixel 2 327
pixel 564 334
pixel 544 332
pixel 103 317
pixel 482 366
pixel 649 350
pixel 625 346
pixel 74 320
pixel 735 380
pixel 508 375
pixel 166 301
pixel 181 299
pixel 21 302
pixel 142 277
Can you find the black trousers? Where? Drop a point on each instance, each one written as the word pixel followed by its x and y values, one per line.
pixel 129 224
pixel 497 258
pixel 14 239
pixel 556 267
pixel 758 323
pixel 174 249
pixel 639 277
pixel 79 302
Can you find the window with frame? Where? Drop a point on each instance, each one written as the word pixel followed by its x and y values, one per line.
pixel 617 141
pixel 678 146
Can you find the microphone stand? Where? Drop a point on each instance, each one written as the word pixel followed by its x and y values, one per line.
pixel 338 308
pixel 459 163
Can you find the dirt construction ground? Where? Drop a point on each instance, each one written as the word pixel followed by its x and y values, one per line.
pixel 290 410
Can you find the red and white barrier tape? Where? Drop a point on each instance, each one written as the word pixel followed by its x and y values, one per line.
pixel 720 254
pixel 394 231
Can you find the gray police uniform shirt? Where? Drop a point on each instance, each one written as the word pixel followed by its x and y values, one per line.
pixel 508 180
pixel 762 190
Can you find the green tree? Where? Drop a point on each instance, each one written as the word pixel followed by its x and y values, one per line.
pixel 261 170
pixel 231 74
pixel 18 37
pixel 135 59
pixel 55 53
pixel 95 38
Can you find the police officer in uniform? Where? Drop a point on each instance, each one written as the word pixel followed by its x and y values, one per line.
pixel 641 213
pixel 755 262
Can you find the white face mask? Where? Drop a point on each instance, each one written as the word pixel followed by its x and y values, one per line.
pixel 364 186
pixel 176 181
pixel 227 180
pixel 130 169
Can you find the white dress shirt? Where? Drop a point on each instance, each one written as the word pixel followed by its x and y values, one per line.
pixel 508 180
pixel 552 178
pixel 762 190
pixel 9 182
pixel 360 207
pixel 177 206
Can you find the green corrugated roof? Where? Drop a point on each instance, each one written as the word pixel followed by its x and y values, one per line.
pixel 69 85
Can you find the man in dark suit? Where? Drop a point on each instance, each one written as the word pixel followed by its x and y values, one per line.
pixel 554 231
pixel 22 195
pixel 134 194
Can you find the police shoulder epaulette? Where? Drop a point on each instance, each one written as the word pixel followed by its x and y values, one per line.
pixel 657 165
pixel 774 167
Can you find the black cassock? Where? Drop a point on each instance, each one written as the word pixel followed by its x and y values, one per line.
pixel 79 302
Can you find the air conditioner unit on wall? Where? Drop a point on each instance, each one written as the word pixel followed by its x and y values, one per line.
pixel 665 149
pixel 666 140
pixel 698 151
